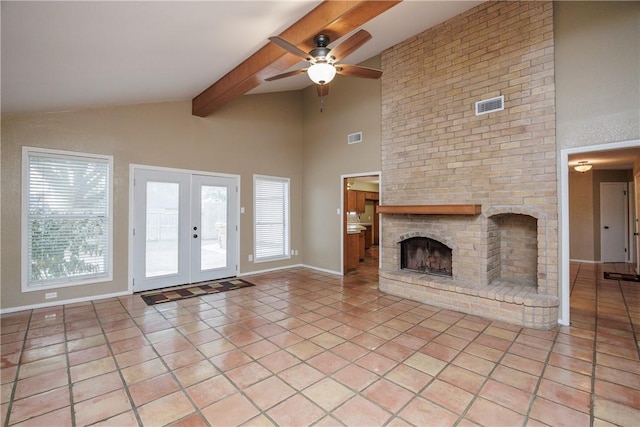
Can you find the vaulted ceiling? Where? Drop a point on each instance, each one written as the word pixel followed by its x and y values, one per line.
pixel 332 19
pixel 69 55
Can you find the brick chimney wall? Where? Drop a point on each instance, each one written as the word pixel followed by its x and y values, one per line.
pixel 435 150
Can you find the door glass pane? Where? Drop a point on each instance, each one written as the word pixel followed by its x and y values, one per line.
pixel 162 244
pixel 213 227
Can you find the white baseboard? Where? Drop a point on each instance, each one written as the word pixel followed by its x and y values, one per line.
pixel 288 267
pixel 63 302
pixel 323 270
pixel 269 270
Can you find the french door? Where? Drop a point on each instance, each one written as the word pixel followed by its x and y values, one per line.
pixel 185 228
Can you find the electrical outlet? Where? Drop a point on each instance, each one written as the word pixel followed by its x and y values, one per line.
pixel 50 295
pixel 295 252
pixel 250 258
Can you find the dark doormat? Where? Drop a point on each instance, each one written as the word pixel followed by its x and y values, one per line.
pixel 193 290
pixel 621 276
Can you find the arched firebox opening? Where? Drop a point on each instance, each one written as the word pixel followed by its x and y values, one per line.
pixel 425 255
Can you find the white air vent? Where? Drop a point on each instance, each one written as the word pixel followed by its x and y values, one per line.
pixel 490 105
pixel 354 138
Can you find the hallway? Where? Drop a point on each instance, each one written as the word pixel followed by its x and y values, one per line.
pixel 304 347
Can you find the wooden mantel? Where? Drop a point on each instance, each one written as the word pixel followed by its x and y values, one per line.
pixel 430 209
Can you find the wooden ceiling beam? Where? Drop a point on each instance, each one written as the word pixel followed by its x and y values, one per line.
pixel 333 18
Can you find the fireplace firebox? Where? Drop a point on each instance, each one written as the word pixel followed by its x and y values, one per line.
pixel 425 255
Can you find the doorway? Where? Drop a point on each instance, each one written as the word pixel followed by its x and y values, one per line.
pixel 184 227
pixel 360 220
pixel 629 151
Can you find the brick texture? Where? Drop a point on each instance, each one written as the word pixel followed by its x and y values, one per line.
pixel 435 150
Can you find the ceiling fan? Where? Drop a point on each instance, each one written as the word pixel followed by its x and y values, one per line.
pixel 324 61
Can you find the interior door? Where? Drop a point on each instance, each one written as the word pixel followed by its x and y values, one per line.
pixel 185 228
pixel 613 217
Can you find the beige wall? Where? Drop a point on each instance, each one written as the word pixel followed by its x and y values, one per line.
pixel 598 99
pixel 597 72
pixel 352 106
pixel 581 233
pixel 160 135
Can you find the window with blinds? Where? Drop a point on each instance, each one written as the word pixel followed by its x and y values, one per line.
pixel 271 224
pixel 66 218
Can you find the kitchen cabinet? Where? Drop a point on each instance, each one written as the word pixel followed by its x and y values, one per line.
pixel 355 201
pixel 361 246
pixel 368 236
pixel 353 251
pixel 351 201
pixel 360 201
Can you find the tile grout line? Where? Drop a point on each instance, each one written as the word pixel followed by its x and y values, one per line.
pixel 592 397
pixel 630 319
pixel 476 395
pixel 449 363
pixel 17 373
pixel 72 408
pixel 134 408
pixel 220 372
pixel 534 393
pixel 328 350
pixel 171 372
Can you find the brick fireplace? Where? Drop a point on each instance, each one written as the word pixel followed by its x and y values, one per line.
pixel 483 186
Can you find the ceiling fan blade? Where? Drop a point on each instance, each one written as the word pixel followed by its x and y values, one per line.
pixel 323 90
pixel 289 47
pixel 358 71
pixel 350 45
pixel 287 74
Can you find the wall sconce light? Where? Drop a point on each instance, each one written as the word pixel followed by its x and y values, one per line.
pixel 583 166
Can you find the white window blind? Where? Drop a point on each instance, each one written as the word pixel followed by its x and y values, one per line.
pixel 67 208
pixel 271 207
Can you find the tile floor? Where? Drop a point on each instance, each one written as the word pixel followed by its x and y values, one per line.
pixel 308 348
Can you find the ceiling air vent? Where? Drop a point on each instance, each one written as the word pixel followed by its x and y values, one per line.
pixel 354 138
pixel 490 105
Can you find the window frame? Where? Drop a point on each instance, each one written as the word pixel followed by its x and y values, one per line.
pixel 287 238
pixel 107 276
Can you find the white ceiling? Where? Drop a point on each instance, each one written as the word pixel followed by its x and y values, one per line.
pixel 620 159
pixel 67 55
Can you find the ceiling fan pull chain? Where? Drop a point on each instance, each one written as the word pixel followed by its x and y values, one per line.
pixel 321 103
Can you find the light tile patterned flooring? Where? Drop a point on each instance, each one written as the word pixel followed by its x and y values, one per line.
pixel 308 348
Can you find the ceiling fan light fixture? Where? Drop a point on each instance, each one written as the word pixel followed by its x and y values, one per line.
pixel 321 73
pixel 583 166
